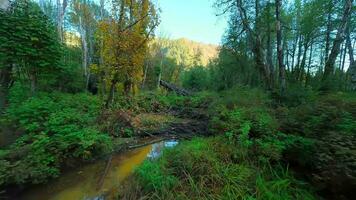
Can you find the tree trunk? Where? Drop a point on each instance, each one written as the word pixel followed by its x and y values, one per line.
pixel 160 71
pixel 145 74
pixel 304 59
pixel 328 30
pixel 282 76
pixel 300 45
pixel 257 47
pixel 269 54
pixel 342 49
pixel 352 67
pixel 344 58
pixel 329 66
pixel 61 8
pixel 85 50
pixel 5 83
pixel 293 52
pixel 111 94
pixel 309 63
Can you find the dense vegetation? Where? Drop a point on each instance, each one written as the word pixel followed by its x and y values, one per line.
pixel 276 100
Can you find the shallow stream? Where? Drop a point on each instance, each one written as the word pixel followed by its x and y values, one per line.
pixel 84 182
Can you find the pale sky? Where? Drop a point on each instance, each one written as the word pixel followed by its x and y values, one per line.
pixel 192 19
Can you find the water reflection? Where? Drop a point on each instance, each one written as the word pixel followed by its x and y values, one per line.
pixel 82 183
pixel 158 148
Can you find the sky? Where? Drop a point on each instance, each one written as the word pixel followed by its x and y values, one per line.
pixel 191 19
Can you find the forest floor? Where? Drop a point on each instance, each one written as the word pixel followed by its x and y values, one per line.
pixel 238 144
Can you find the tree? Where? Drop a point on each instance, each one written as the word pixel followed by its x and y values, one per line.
pixel 282 76
pixel 352 67
pixel 61 8
pixel 29 44
pixel 125 38
pixel 329 66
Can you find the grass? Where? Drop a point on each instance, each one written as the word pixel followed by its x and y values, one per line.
pixel 207 168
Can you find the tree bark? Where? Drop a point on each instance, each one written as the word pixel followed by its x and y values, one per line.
pixel 328 30
pixel 304 59
pixel 269 54
pixel 309 63
pixel 146 66
pixel 352 67
pixel 61 8
pixel 329 66
pixel 282 76
pixel 300 45
pixel 111 94
pixel 5 83
pixel 257 47
pixel 84 49
pixel 293 51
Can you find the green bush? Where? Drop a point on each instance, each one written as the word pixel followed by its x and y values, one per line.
pixel 331 112
pixel 58 128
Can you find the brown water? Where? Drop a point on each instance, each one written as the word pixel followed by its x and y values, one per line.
pixel 83 182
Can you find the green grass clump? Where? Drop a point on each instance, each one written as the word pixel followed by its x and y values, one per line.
pixel 208 169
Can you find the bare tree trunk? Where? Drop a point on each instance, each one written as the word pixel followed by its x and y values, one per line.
pixel 304 59
pixel 257 47
pixel 61 8
pixel 342 49
pixel 145 74
pixel 282 76
pixel 344 58
pixel 269 45
pixel 300 45
pixel 328 30
pixel 160 72
pixel 352 67
pixel 309 63
pixel 84 49
pixel 293 52
pixel 329 66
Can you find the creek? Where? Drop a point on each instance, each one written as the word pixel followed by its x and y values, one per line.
pixel 88 183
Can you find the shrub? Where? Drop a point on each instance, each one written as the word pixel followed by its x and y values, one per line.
pixel 58 128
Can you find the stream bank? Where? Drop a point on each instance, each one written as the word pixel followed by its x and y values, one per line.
pixel 84 181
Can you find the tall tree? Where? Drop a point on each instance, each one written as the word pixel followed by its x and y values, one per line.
pixel 256 41
pixel 61 9
pixel 329 66
pixel 352 67
pixel 282 76
pixel 125 37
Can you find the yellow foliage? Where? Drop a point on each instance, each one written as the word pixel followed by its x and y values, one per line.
pixel 125 43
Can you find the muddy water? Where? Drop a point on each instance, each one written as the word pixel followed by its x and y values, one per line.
pixel 83 182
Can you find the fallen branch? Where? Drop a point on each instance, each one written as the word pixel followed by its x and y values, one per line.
pixel 102 178
pixel 147 143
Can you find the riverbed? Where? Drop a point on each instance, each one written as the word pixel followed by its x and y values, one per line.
pixel 87 182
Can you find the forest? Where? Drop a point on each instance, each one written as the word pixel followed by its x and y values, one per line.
pixel 96 104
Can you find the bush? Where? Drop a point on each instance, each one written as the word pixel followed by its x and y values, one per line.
pixel 58 128
pixel 326 114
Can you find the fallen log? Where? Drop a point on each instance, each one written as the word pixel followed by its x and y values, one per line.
pixel 174 88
